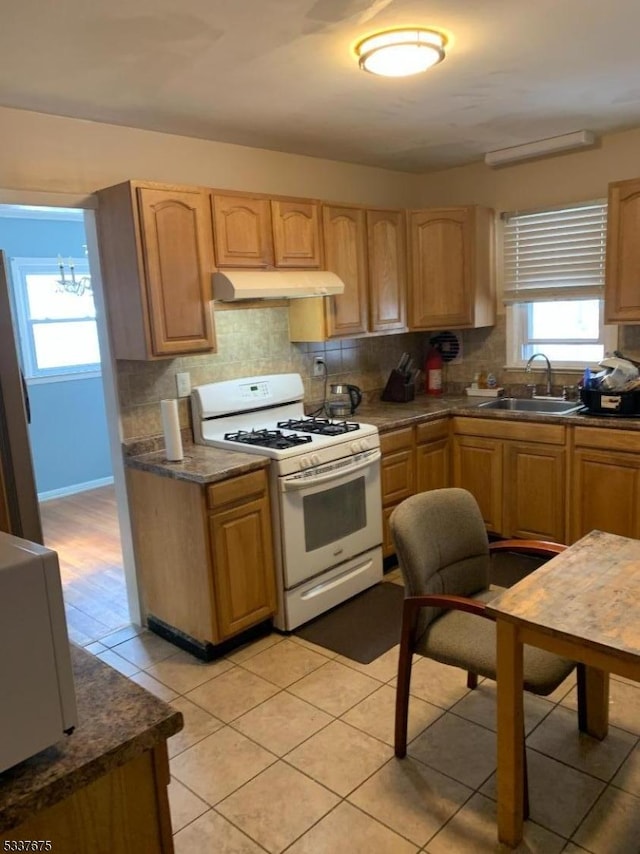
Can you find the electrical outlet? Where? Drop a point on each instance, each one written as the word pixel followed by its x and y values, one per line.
pixel 318 366
pixel 183 384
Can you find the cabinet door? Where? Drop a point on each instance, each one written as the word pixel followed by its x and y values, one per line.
pixel 386 236
pixel 433 456
pixel 432 463
pixel 477 466
pixel 440 289
pixel 397 467
pixel 397 473
pixel 296 234
pixel 345 254
pixel 605 494
pixel 622 294
pixel 242 229
pixel 177 246
pixel 534 492
pixel 244 577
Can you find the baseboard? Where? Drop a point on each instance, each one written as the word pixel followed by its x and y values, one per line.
pixel 74 487
pixel 204 650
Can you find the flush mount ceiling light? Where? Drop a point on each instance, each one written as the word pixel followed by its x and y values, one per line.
pixel 399 53
pixel 541 147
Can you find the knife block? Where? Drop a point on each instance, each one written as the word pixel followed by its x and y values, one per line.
pixel 397 390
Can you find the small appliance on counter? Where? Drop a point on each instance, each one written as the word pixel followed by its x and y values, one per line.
pixel 348 399
pixel 38 696
pixel 613 391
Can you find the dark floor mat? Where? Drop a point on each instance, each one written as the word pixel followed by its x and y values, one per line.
pixel 361 628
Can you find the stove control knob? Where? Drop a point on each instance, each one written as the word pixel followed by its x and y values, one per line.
pixel 364 445
pixel 315 459
pixel 355 447
pixel 304 462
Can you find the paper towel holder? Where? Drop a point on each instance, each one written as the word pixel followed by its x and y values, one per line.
pixel 171 430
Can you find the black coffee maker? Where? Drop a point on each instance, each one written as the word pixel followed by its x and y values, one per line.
pixel 346 401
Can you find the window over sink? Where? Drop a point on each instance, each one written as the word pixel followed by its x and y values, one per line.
pixel 554 266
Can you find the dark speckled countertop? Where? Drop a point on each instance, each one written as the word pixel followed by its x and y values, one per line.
pixel 200 464
pixel 117 721
pixel 208 465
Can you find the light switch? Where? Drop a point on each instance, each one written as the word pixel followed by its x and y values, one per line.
pixel 183 384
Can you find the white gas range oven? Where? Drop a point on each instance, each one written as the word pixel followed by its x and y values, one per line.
pixel 325 488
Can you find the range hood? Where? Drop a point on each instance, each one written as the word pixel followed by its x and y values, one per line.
pixel 272 284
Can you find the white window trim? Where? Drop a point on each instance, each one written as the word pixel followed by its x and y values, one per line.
pixel 516 315
pixel 20 268
pixel 516 311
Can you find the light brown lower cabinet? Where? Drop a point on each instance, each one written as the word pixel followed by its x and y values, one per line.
pixel 517 473
pixel 605 485
pixel 534 491
pixel 414 459
pixel 432 455
pixel 398 476
pixel 126 811
pixel 477 467
pixel 204 554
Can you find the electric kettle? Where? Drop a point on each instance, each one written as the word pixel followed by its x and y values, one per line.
pixel 347 401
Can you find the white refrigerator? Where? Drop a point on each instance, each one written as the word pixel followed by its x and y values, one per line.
pixel 19 510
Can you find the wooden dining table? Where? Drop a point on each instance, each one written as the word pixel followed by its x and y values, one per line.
pixel 584 605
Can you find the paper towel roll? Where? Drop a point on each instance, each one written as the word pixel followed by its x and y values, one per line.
pixel 171 429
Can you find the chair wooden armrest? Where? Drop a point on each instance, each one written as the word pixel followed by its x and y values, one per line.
pixel 459 603
pixel 542 548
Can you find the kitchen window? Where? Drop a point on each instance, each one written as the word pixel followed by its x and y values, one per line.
pixel 56 316
pixel 554 263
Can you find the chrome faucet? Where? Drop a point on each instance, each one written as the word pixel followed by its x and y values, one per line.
pixel 528 369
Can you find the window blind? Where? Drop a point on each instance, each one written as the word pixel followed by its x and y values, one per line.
pixel 555 254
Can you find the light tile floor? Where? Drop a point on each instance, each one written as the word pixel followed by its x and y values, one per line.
pixel 288 747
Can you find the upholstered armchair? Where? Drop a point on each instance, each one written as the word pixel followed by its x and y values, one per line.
pixel 444 554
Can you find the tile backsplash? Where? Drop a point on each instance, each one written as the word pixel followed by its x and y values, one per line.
pixel 255 342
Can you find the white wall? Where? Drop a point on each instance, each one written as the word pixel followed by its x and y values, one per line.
pixel 57 154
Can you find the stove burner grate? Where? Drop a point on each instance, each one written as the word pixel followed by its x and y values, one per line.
pixel 267 438
pixel 319 426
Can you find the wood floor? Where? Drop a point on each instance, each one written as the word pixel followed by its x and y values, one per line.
pixel 83 530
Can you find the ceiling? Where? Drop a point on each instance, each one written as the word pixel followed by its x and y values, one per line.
pixel 282 75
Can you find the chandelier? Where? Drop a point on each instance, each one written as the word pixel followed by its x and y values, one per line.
pixel 77 285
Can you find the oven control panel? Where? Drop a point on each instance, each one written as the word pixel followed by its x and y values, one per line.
pixel 260 390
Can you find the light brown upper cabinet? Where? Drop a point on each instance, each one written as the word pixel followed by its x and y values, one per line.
pixel 367 249
pixel 345 253
pixel 387 251
pixel 296 234
pixel 242 230
pixel 622 282
pixel 258 232
pixel 452 268
pixel 156 255
pixel 345 247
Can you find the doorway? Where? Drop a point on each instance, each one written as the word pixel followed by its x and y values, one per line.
pixel 56 324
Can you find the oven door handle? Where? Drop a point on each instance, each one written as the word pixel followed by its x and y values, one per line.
pixel 306 482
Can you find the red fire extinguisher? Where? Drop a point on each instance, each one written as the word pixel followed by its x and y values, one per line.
pixel 433 372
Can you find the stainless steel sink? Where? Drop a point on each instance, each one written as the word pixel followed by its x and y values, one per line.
pixel 537 405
